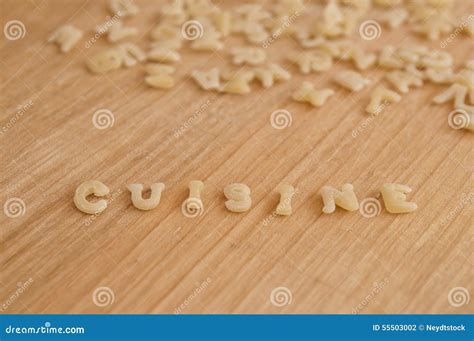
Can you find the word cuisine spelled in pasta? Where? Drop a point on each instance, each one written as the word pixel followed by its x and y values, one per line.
pixel 239 198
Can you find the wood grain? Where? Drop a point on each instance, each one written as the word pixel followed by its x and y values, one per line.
pixel 154 261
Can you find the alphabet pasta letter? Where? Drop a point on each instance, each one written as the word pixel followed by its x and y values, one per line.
pixel 239 198
pixel 395 199
pixel 345 198
pixel 152 201
pixel 87 188
pixel 193 205
pixel 286 194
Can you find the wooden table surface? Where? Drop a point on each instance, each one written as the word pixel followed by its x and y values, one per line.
pixel 220 262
